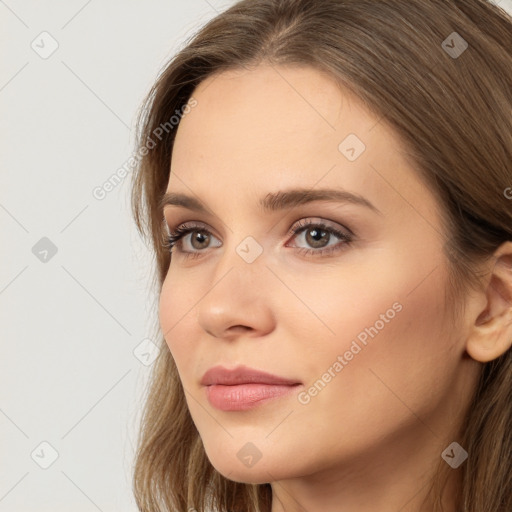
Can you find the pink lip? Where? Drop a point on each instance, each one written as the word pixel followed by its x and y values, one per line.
pixel 242 375
pixel 243 388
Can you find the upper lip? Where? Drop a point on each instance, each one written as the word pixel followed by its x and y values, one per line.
pixel 242 375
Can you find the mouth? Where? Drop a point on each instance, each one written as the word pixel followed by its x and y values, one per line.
pixel 243 388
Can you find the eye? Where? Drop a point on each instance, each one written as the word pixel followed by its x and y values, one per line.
pixel 317 234
pixel 179 238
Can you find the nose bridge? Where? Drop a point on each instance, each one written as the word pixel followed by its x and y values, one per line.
pixel 244 260
pixel 238 295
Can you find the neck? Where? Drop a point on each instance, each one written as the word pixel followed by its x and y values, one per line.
pixel 395 477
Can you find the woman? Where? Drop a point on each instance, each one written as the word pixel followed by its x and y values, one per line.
pixel 327 189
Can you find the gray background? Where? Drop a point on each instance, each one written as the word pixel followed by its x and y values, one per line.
pixel 75 323
pixel 70 323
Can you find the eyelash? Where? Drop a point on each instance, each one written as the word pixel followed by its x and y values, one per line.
pixel 174 239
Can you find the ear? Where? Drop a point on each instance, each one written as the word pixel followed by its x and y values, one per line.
pixel 491 333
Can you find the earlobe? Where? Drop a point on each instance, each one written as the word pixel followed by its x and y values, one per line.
pixel 491 333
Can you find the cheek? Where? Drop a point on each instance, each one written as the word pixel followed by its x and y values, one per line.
pixel 387 291
pixel 177 321
pixel 388 320
pixel 395 350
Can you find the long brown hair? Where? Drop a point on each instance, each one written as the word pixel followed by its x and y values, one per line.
pixel 452 108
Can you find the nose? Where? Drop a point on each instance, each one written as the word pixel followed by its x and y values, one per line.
pixel 238 301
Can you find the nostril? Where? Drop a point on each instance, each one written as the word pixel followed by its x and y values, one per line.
pixel 240 328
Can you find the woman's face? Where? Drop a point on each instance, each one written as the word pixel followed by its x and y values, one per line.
pixel 352 312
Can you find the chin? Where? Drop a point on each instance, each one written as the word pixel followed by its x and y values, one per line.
pixel 260 472
pixel 246 476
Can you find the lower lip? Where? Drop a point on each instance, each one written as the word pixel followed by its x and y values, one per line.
pixel 245 396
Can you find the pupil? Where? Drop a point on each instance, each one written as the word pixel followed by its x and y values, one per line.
pixel 315 239
pixel 200 238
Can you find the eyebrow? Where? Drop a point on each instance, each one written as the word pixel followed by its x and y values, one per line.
pixel 282 200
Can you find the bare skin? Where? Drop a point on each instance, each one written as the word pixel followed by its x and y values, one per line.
pixel 370 437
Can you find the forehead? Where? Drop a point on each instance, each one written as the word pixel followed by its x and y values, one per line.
pixel 260 130
pixel 267 111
